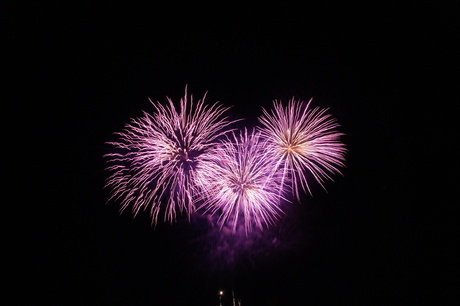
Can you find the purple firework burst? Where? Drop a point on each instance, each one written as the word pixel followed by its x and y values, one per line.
pixel 304 140
pixel 241 187
pixel 157 156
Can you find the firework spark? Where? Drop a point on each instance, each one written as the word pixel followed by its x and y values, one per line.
pixel 157 156
pixel 239 187
pixel 303 140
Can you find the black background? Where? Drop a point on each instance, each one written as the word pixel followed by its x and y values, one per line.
pixel 76 73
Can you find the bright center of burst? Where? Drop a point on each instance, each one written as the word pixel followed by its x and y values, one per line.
pixel 290 149
pixel 239 186
pixel 182 155
pixel 298 148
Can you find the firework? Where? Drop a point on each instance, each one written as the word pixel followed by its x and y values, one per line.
pixel 157 155
pixel 241 187
pixel 304 140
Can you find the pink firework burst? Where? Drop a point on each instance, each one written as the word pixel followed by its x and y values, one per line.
pixel 303 139
pixel 157 156
pixel 241 187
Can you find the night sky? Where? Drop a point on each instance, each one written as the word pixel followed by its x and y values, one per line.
pixel 383 232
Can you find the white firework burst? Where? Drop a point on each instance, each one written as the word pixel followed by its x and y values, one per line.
pixel 156 157
pixel 304 140
pixel 241 187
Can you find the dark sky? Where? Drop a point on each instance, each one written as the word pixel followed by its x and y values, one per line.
pixel 76 73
